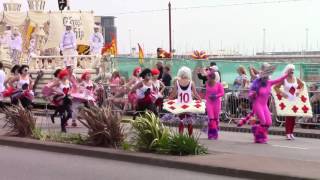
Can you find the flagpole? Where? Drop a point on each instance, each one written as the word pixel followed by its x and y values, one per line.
pixel 170 35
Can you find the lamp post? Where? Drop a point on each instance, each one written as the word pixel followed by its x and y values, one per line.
pixel 170 35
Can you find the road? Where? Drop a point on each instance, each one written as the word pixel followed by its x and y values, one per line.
pixel 25 164
pixel 305 149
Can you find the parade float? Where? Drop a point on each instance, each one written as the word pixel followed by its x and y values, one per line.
pixel 46 29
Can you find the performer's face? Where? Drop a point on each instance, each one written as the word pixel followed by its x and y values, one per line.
pixel 68 28
pixel 25 71
pixel 148 76
pixel 96 30
pixel 87 77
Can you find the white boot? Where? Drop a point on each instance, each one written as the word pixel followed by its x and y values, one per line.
pixel 292 136
pixel 289 137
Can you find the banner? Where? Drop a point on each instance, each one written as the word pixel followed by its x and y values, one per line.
pixel 82 25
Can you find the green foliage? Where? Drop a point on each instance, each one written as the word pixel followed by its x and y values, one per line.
pixel 151 135
pixel 59 137
pixel 149 132
pixel 183 144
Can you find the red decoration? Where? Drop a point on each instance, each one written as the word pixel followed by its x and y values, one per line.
pixel 295 109
pixel 65 90
pixel 171 102
pixel 305 109
pixel 279 97
pixel 282 106
pixel 184 106
pixel 292 90
pixel 303 99
pixel 198 102
pixel 172 107
pixel 197 105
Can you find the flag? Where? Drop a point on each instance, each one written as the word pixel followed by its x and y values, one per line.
pixel 141 55
pixel 111 47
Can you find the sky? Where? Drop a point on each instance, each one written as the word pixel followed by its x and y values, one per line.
pixel 238 28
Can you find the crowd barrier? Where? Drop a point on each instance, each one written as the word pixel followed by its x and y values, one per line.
pixel 235 105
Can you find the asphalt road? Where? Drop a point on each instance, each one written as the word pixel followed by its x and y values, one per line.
pixel 305 149
pixel 25 164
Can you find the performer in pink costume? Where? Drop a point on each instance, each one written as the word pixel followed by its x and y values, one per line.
pixel 259 94
pixel 134 80
pixel 214 93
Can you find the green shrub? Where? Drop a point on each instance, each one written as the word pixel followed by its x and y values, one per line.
pixel 70 138
pixel 151 135
pixel 183 144
pixel 149 132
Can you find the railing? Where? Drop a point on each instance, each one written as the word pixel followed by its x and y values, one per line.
pixel 235 105
pixel 53 62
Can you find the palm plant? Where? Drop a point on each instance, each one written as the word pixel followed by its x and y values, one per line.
pixel 19 121
pixel 104 126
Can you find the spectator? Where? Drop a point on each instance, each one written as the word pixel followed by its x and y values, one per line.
pixel 241 82
pixel 166 77
pixel 160 68
pixel 202 76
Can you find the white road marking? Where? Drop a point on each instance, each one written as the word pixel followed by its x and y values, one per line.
pixel 290 147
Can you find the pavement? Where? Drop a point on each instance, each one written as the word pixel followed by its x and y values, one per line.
pixel 232 155
pixel 26 164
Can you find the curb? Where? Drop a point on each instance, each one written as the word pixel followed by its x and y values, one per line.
pixel 137 157
pixel 271 132
pixel 248 130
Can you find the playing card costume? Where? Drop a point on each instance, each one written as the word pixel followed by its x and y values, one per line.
pixel 291 101
pixel 184 105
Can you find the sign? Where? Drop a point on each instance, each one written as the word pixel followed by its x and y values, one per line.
pixel 82 25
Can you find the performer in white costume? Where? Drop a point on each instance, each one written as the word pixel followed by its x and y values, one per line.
pixel 96 45
pixel 15 46
pixel 6 39
pixel 96 41
pixel 68 46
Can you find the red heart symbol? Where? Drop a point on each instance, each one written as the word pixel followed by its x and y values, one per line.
pixel 65 90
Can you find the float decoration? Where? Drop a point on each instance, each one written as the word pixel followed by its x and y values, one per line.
pixel 199 55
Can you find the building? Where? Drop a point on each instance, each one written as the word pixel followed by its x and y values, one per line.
pixel 109 30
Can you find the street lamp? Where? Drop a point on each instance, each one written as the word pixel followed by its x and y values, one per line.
pixel 307 39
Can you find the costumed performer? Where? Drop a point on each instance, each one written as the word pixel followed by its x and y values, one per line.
pixel 214 94
pixel 292 87
pixel 184 89
pixel 259 94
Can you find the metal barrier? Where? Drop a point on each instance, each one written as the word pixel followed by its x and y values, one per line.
pixel 52 62
pixel 236 105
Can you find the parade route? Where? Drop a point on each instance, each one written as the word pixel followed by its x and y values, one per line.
pixel 304 149
pixel 17 164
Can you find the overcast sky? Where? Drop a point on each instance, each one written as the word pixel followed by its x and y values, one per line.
pixel 230 27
